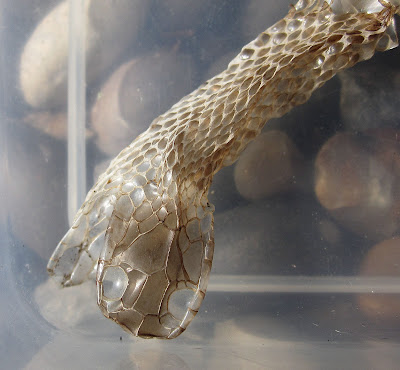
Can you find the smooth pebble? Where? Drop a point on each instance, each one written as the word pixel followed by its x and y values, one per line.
pixel 110 28
pixel 356 180
pixel 271 164
pixel 382 260
pixel 135 94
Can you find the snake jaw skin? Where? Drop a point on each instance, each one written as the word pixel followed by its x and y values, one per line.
pixel 145 229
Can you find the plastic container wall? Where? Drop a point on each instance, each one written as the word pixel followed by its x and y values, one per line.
pixel 306 267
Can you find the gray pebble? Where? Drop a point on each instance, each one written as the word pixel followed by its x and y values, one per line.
pixel 277 236
pixel 110 28
pixel 36 188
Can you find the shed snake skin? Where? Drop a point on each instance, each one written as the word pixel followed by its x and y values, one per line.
pixel 145 230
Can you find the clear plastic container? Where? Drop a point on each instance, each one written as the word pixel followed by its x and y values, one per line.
pixel 306 269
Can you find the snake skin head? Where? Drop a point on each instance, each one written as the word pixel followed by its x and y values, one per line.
pixel 153 272
pixel 147 233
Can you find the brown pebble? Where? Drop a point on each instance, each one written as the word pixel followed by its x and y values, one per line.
pixel 382 260
pixel 269 165
pixel 357 181
pixel 135 94
pixel 52 124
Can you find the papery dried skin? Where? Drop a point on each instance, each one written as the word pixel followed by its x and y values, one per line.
pixel 146 227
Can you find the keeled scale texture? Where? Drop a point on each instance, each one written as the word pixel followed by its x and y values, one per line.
pixel 146 227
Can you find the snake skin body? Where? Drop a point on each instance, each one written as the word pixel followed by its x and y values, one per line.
pixel 145 229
